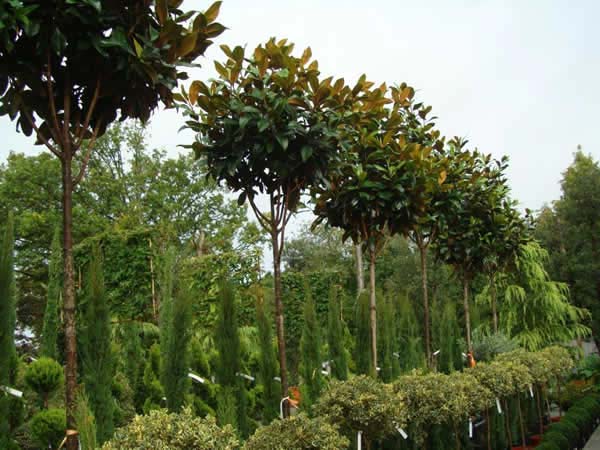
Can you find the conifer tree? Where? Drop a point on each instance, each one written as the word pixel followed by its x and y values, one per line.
pixel 48 345
pixel 7 328
pixel 335 337
pixel 229 363
pixel 132 354
pixel 362 347
pixel 388 362
pixel 97 358
pixel 267 368
pixel 411 353
pixel 175 329
pixel 310 352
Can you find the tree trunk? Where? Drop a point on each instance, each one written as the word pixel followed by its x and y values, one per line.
pixel 538 400
pixel 488 430
pixel 373 309
pixel 467 316
pixel 360 277
pixel 521 423
pixel 425 290
pixel 69 299
pixel 507 422
pixel 279 318
pixel 494 295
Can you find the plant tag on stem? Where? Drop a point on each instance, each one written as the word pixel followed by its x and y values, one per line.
pixel 402 432
pixel 359 441
pixel 470 428
pixel 498 407
pixel 531 391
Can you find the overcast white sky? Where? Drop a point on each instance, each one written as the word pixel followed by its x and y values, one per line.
pixel 515 77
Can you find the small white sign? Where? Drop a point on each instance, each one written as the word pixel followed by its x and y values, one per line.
pixel 437 352
pixel 498 407
pixel 12 391
pixel 470 428
pixel 359 441
pixel 246 376
pixel 402 433
pixel 195 377
pixel 531 391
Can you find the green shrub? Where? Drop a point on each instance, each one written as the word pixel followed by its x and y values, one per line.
pixel 85 422
pixel 558 439
pixel 297 433
pixel 547 446
pixel 48 427
pixel 567 428
pixel 161 430
pixel 44 376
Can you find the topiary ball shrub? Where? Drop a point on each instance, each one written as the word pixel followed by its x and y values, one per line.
pixel 567 428
pixel 556 438
pixel 161 430
pixel 297 433
pixel 44 376
pixel 48 427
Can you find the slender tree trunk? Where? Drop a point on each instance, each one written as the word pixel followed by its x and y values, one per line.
pixel 488 429
pixel 521 420
pixel 69 299
pixel 538 400
pixel 152 284
pixel 494 295
pixel 425 290
pixel 507 421
pixel 360 277
pixel 373 309
pixel 467 315
pixel 279 318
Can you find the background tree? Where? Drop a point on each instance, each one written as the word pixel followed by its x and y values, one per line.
pixel 310 351
pixel 263 128
pixel 175 330
pixel 568 229
pixel 71 70
pixel 97 356
pixel 267 366
pixel 338 358
pixel 49 342
pixel 362 337
pixel 232 396
pixel 7 326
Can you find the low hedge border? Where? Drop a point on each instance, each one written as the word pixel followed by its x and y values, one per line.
pixel 575 427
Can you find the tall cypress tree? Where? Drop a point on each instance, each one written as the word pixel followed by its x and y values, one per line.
pixel 267 367
pixel 362 346
pixel 335 336
pixel 310 352
pixel 97 358
pixel 389 364
pixel 7 328
pixel 48 345
pixel 411 354
pixel 133 357
pixel 175 329
pixel 227 339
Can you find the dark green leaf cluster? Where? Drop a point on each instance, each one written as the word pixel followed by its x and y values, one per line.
pixel 87 63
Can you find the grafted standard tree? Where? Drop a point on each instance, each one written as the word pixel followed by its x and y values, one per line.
pixel 368 190
pixel 266 126
pixel 69 69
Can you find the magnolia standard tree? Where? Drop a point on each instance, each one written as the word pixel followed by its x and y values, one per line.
pixel 69 69
pixel 266 126
pixel 371 190
pixel 472 223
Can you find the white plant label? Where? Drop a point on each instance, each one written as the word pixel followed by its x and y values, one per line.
pixel 12 391
pixel 470 428
pixel 359 441
pixel 402 432
pixel 530 391
pixel 195 377
pixel 498 407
